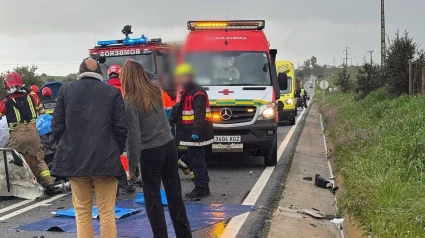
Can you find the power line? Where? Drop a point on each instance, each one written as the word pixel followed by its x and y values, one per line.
pixel 357 21
pixel 372 19
pixel 368 29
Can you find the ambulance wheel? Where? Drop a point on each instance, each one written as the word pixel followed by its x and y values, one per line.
pixel 270 155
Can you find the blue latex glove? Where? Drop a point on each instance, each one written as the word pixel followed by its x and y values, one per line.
pixel 195 137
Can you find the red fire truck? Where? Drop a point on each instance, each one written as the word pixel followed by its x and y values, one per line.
pixel 154 55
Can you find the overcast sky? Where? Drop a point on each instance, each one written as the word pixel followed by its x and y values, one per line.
pixel 56 34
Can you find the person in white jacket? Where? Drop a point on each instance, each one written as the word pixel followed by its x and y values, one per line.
pixel 4 132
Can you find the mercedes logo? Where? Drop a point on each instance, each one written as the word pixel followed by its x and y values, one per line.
pixel 226 114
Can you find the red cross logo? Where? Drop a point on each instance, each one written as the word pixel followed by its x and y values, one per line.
pixel 225 92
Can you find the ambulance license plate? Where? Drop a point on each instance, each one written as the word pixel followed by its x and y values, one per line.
pixel 227 139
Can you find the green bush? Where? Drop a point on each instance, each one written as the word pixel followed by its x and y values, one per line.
pixel 380 149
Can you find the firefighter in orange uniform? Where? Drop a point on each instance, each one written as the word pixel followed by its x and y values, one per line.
pixel 169 101
pixel 21 110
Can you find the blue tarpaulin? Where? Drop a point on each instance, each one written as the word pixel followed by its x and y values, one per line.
pixel 140 198
pixel 137 225
pixel 43 124
pixel 119 212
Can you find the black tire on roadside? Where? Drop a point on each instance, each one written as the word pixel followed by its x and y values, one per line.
pixel 292 122
pixel 270 155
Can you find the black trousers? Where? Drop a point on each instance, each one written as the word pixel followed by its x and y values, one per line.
pixel 156 164
pixel 198 165
pixel 305 101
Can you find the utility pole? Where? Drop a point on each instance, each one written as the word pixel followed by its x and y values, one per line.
pixel 383 50
pixel 423 80
pixel 334 62
pixel 371 56
pixel 346 56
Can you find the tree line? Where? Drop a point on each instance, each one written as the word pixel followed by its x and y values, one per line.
pixel 31 77
pixel 393 75
pixel 311 67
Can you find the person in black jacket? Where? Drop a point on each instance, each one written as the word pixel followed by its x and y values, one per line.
pixel 90 124
pixel 194 127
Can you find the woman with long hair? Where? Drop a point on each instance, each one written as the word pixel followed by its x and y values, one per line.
pixel 151 144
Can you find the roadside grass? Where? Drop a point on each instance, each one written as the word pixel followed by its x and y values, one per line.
pixel 379 144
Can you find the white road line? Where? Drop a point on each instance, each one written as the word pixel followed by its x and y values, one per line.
pixel 3 210
pixel 25 209
pixel 233 227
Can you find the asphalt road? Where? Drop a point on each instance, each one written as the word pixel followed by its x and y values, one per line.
pixel 232 179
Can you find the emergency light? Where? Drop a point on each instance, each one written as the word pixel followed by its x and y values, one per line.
pixel 107 42
pixel 141 40
pixel 217 25
pixel 127 41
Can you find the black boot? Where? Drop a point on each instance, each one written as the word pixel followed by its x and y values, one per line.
pixel 128 188
pixel 208 191
pixel 50 190
pixel 197 192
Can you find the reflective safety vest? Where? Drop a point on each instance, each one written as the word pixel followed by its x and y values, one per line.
pixel 302 92
pixel 49 105
pixel 20 110
pixel 188 113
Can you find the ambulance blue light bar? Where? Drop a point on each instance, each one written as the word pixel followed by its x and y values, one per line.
pixel 127 41
pixel 218 25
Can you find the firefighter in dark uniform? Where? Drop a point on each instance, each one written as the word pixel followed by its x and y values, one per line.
pixel 48 142
pixel 21 110
pixel 194 127
pixel 48 102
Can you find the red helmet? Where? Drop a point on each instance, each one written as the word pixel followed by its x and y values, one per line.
pixel 13 80
pixel 35 89
pixel 114 69
pixel 46 92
